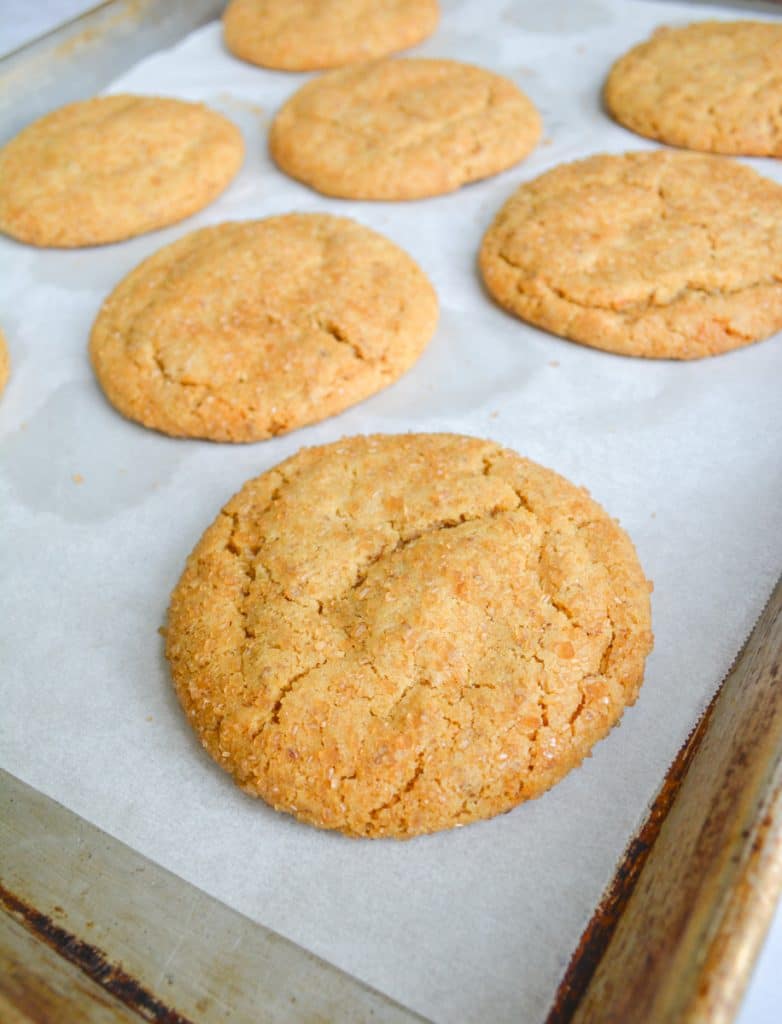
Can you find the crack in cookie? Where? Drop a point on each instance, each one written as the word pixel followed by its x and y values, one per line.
pixel 396 634
pixel 662 254
pixel 714 86
pixel 109 168
pixel 246 330
pixel 402 129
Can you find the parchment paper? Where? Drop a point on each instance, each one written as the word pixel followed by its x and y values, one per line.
pixel 97 516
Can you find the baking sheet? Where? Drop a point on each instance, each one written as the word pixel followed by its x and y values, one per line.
pixel 97 516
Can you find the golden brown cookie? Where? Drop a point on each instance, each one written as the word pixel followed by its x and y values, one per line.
pixel 306 35
pixel 5 363
pixel 392 635
pixel 661 254
pixel 402 129
pixel 112 167
pixel 245 330
pixel 714 86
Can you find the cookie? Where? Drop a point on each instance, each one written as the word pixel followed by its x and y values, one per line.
pixel 306 35
pixel 714 86
pixel 393 635
pixel 245 330
pixel 402 129
pixel 109 168
pixel 5 363
pixel 660 254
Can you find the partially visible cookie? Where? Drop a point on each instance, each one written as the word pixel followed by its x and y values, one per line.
pixel 245 330
pixel 392 635
pixel 5 363
pixel 714 86
pixel 105 169
pixel 307 35
pixel 402 129
pixel 661 254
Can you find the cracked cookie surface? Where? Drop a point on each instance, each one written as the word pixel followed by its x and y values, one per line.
pixel 402 129
pixel 246 330
pixel 391 635
pixel 306 35
pixel 109 168
pixel 713 86
pixel 661 254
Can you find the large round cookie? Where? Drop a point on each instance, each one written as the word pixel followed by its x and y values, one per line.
pixel 245 330
pixel 109 168
pixel 305 35
pixel 392 635
pixel 5 363
pixel 660 254
pixel 402 129
pixel 714 86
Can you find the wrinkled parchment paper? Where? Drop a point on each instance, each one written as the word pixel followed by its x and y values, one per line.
pixel 97 516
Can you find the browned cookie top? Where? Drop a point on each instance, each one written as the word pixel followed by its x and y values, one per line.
pixel 392 635
pixel 714 86
pixel 660 254
pixel 105 169
pixel 306 35
pixel 245 330
pixel 402 129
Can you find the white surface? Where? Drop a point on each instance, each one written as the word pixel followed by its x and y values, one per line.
pixel 475 924
pixel 23 20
